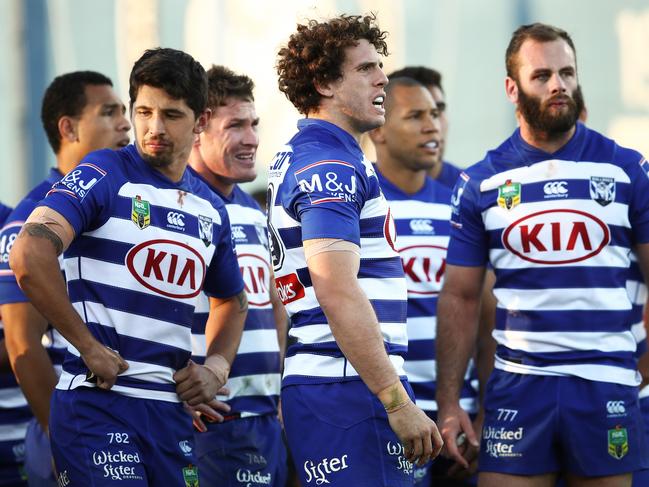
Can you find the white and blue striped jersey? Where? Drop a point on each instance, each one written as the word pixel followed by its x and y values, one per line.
pixel 145 246
pixel 557 229
pixel 422 223
pixel 10 292
pixel 14 411
pixel 254 380
pixel 322 186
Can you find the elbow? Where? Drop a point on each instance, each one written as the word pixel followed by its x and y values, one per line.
pixel 22 263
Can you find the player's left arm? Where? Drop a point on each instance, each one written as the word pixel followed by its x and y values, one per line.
pixel 281 319
pixel 198 384
pixel 5 365
pixel 642 253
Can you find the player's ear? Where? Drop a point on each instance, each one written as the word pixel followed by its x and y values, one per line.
pixel 511 89
pixel 68 129
pixel 324 89
pixel 202 120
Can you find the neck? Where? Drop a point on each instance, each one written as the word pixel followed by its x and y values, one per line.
pixel 67 159
pixel 436 169
pixel 544 141
pixel 407 180
pixel 337 119
pixel 222 185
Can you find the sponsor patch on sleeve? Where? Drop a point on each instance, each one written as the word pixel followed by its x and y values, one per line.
pixel 78 182
pixel 328 181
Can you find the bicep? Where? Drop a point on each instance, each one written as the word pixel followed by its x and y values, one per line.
pixel 464 281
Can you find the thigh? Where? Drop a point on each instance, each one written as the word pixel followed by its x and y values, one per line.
pixel 518 430
pixel 92 440
pixel 603 432
pixel 493 479
pixel 339 435
pixel 166 433
pixel 241 452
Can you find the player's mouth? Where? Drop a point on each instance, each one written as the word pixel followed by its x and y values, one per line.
pixel 431 146
pixel 378 103
pixel 247 158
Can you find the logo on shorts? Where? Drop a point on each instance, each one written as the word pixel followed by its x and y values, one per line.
pixel 186 447
pixel 190 475
pixel 118 465
pixel 252 479
pixel 140 212
pixel 500 442
pixel 615 409
pixel 618 442
pixel 397 450
pixel 63 480
pixel 509 195
pixel 318 471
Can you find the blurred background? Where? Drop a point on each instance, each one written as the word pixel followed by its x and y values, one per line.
pixel 464 39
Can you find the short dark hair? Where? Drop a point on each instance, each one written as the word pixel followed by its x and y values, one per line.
pixel 173 71
pixel 404 81
pixel 538 32
pixel 426 76
pixel 316 52
pixel 223 83
pixel 66 97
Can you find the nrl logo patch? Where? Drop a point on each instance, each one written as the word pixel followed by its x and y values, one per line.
pixel 509 195
pixel 602 190
pixel 190 476
pixel 205 229
pixel 618 442
pixel 140 212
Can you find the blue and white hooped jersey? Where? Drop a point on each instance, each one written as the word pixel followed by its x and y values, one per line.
pixel 557 229
pixel 145 246
pixel 321 186
pixel 10 292
pixel 14 411
pixel 254 380
pixel 422 221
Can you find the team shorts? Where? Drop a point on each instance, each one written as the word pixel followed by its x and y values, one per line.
pixel 104 438
pixel 339 435
pixel 536 424
pixel 641 477
pixel 12 472
pixel 242 452
pixel 38 457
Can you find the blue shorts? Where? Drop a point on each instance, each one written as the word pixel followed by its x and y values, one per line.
pixel 536 424
pixel 12 473
pixel 641 477
pixel 38 457
pixel 240 452
pixel 339 435
pixel 104 438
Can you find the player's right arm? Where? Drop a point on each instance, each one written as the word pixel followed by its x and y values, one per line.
pixel 357 333
pixel 34 261
pixel 24 329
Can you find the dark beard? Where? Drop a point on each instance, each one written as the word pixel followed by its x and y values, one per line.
pixel 157 162
pixel 539 117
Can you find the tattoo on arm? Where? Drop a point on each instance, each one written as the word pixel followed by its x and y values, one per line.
pixel 243 301
pixel 40 230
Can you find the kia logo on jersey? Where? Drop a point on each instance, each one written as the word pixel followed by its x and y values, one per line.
pixel 424 267
pixel 256 275
pixel 169 268
pixel 556 237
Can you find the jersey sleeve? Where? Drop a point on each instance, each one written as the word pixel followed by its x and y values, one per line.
pixel 639 204
pixel 326 197
pixel 10 292
pixel 223 278
pixel 468 242
pixel 85 192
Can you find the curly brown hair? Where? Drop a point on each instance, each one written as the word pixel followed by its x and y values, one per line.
pixel 316 52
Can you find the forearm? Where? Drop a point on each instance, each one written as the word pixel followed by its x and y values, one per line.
pixel 354 325
pixel 224 326
pixel 37 271
pixel 5 366
pixel 457 325
pixel 281 321
pixel 486 349
pixel 24 328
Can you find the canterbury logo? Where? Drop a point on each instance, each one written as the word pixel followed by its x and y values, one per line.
pixel 176 219
pixel 421 226
pixel 555 188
